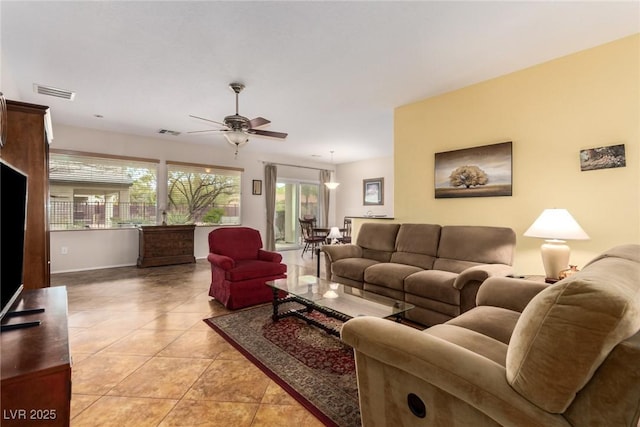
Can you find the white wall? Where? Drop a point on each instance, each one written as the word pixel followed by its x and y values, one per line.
pixel 349 197
pixel 92 249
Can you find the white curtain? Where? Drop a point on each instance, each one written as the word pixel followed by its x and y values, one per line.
pixel 270 179
pixel 325 176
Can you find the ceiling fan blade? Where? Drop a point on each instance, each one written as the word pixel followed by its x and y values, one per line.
pixel 206 120
pixel 208 130
pixel 257 122
pixel 268 133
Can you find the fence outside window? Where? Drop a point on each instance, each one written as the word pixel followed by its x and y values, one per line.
pixel 97 215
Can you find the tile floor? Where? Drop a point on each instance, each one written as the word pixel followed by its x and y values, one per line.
pixel 142 356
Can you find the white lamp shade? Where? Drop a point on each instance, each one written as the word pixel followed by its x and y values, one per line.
pixel 334 233
pixel 556 224
pixel 332 185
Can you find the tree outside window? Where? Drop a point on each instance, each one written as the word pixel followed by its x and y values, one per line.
pixel 203 196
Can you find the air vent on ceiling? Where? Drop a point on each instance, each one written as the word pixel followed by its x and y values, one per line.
pixel 169 132
pixel 54 91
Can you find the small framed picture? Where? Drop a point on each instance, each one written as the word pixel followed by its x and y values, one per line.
pixel 257 187
pixel 373 191
pixel 609 157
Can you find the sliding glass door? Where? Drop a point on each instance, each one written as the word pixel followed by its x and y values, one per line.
pixel 294 200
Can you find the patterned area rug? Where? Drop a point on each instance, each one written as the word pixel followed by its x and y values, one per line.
pixel 316 368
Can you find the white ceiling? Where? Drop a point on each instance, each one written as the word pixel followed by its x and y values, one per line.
pixel 328 73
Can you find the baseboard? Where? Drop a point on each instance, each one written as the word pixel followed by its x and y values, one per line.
pixel 102 267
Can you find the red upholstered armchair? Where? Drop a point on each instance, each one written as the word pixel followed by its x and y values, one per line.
pixel 240 267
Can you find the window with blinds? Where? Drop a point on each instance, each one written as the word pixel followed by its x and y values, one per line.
pixel 98 191
pixel 203 195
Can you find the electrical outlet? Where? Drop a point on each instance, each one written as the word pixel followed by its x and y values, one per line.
pixel 64 250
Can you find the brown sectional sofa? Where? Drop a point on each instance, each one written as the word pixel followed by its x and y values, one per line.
pixel 530 354
pixel 439 269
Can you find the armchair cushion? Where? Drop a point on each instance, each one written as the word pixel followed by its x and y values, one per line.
pixel 506 292
pixel 246 269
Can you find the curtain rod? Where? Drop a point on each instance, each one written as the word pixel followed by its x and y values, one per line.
pixel 295 166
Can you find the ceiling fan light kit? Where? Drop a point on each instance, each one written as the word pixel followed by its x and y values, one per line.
pixel 236 128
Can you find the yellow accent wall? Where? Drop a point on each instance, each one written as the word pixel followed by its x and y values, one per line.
pixel 550 112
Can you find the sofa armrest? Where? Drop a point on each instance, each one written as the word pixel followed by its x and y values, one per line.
pixel 221 261
pixel 457 371
pixel 336 252
pixel 480 273
pixel 269 256
pixel 508 292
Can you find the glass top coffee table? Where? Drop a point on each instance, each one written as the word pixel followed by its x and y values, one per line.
pixel 334 300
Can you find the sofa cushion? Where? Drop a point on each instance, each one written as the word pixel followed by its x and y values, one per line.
pixel 417 244
pixel 252 269
pixel 495 322
pixel 389 274
pixel 568 329
pixel 477 342
pixel 351 268
pixel 474 244
pixel 444 310
pixel 377 240
pixel 433 284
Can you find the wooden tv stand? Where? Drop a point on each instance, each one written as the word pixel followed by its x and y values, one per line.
pixel 36 363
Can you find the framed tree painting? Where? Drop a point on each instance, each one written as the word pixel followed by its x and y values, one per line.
pixel 373 191
pixel 474 172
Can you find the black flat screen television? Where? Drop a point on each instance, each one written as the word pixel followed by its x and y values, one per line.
pixel 13 216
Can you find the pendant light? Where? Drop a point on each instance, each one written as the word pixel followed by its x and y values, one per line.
pixel 332 185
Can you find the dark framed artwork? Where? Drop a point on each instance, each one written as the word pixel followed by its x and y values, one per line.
pixel 609 157
pixel 484 171
pixel 257 187
pixel 373 191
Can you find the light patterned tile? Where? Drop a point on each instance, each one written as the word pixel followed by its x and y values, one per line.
pixel 275 395
pixel 101 372
pixel 285 416
pixel 143 342
pixel 204 344
pixel 93 340
pixel 177 321
pixel 80 402
pixel 230 381
pixel 211 414
pixel 112 411
pixel 162 377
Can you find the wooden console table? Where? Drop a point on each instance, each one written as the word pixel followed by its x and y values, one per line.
pixel 165 245
pixel 36 364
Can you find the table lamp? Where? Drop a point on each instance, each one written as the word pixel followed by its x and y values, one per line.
pixel 334 235
pixel 555 226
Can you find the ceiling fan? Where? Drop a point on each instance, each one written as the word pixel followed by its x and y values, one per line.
pixel 236 128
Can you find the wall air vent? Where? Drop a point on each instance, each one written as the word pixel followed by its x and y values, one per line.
pixel 169 132
pixel 54 91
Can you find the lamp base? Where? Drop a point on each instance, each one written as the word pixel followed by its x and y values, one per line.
pixel 555 258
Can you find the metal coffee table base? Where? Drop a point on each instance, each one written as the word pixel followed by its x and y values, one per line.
pixel 308 307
